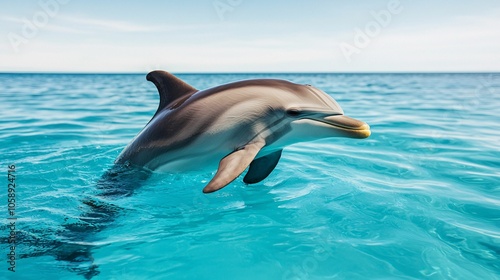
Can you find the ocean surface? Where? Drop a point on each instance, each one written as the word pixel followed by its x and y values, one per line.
pixel 419 198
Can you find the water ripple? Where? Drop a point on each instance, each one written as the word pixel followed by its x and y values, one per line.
pixel 418 199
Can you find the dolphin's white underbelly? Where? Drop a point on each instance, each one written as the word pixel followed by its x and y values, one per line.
pixel 194 162
pixel 203 154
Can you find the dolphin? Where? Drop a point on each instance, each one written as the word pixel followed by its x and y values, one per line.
pixel 233 126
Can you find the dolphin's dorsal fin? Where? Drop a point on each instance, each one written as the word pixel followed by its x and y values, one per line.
pixel 169 87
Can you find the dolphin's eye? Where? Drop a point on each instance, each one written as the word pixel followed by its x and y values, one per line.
pixel 294 112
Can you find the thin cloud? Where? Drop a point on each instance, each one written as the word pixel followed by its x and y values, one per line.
pixel 48 26
pixel 11 19
pixel 81 25
pixel 97 24
pixel 110 25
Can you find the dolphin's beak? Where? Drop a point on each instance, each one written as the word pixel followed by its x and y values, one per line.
pixel 348 127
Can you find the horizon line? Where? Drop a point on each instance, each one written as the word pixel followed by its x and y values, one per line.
pixel 242 73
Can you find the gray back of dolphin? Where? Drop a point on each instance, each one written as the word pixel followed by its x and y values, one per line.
pixel 185 113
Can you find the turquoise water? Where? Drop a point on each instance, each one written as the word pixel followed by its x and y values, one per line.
pixel 418 199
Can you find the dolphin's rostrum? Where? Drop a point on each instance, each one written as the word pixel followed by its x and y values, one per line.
pixel 237 125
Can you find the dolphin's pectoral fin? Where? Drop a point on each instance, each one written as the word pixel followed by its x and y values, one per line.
pixel 262 167
pixel 169 87
pixel 232 166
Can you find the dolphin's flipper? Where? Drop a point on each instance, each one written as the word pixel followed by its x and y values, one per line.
pixel 172 90
pixel 262 167
pixel 232 166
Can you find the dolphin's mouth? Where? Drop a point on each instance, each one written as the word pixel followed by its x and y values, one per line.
pixel 349 127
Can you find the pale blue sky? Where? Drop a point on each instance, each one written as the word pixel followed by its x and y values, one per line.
pixel 249 36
